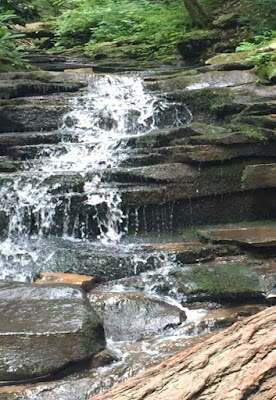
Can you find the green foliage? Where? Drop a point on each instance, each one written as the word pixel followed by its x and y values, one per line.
pixel 260 15
pixel 107 20
pixel 258 41
pixel 11 54
pixel 265 65
pixel 24 9
pixel 265 62
pixel 49 9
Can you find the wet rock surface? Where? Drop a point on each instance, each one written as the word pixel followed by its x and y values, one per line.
pixel 22 84
pixel 228 279
pixel 44 329
pixel 132 316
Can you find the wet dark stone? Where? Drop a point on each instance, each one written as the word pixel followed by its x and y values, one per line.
pixel 44 329
pixel 132 316
pixel 14 139
pixel 30 117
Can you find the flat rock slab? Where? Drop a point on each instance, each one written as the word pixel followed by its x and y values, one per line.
pixel 132 316
pixel 44 328
pixel 258 236
pixel 83 281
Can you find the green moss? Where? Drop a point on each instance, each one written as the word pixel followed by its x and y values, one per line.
pixel 7 67
pixel 224 280
pixel 226 173
pixel 40 76
pixel 251 132
pixel 225 58
pixel 8 166
pixel 203 237
pixel 139 53
pixel 225 99
pixel 200 34
pixel 94 335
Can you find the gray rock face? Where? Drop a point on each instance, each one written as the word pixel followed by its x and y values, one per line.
pixel 30 117
pixel 131 315
pixel 21 84
pixel 259 176
pixel 43 329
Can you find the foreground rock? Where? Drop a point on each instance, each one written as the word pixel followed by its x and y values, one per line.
pixel 44 329
pixel 241 359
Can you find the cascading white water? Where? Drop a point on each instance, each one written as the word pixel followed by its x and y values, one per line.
pixel 94 138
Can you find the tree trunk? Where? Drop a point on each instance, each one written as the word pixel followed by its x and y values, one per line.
pixel 236 364
pixel 198 16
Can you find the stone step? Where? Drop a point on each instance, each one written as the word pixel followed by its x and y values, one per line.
pixel 182 180
pixel 58 61
pixel 255 236
pixel 59 183
pixel 36 83
pixel 40 151
pixel 199 154
pixel 12 139
pixel 32 117
pixel 82 281
pixel 204 134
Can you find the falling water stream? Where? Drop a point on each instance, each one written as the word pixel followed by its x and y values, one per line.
pixel 94 138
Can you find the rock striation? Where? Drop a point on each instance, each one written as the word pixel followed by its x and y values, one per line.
pixel 235 364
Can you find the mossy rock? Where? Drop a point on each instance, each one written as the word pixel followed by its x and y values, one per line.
pixel 229 58
pixel 138 55
pixel 219 282
pixel 8 166
pixel 228 20
pixel 251 132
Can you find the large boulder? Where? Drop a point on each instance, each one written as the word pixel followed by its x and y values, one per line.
pixel 44 329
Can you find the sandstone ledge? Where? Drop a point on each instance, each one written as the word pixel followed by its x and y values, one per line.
pixel 238 363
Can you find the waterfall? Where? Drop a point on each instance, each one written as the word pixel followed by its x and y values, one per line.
pixel 95 134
